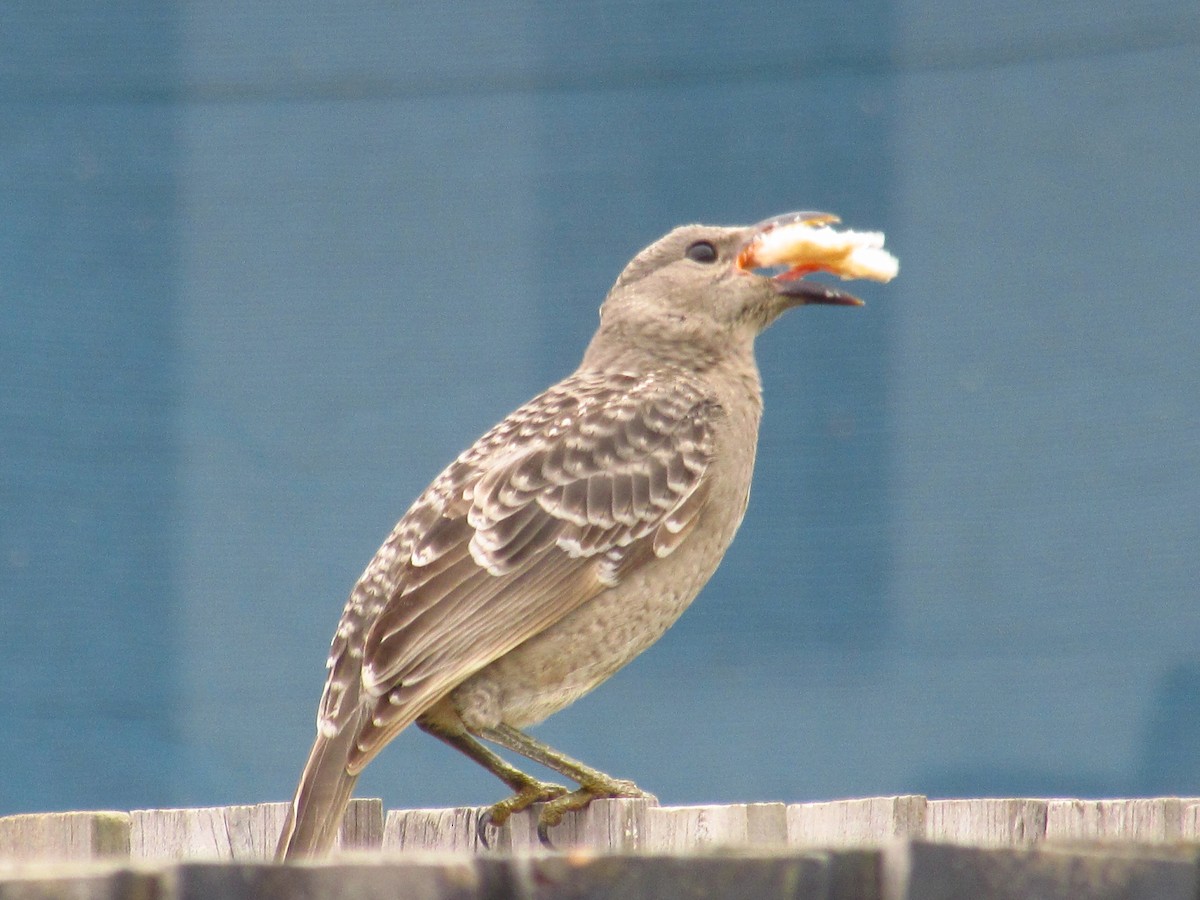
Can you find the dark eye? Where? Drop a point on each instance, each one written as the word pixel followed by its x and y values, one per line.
pixel 702 252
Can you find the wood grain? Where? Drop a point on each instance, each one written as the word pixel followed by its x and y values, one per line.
pixel 986 822
pixel 855 823
pixel 64 836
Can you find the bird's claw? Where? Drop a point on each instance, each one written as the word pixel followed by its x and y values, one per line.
pixel 498 813
pixel 482 824
pixel 553 812
pixel 543 833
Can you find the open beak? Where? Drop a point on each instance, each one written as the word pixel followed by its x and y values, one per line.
pixel 804 243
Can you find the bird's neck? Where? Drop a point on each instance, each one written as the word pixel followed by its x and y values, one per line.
pixel 730 371
pixel 633 349
pixel 737 383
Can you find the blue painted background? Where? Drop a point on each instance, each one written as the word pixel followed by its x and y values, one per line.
pixel 265 268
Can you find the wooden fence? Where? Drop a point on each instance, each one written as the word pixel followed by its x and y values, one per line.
pixel 891 848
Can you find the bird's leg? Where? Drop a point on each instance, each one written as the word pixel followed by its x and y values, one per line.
pixel 593 784
pixel 527 790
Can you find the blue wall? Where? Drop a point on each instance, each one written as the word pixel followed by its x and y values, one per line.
pixel 264 269
pixel 89 294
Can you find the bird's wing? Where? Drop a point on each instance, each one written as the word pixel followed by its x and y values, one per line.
pixel 557 503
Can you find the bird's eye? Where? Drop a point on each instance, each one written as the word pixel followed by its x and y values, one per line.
pixel 702 252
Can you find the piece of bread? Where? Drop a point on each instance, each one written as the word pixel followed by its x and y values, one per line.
pixel 808 247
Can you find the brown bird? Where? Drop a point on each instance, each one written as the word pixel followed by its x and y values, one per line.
pixel 568 538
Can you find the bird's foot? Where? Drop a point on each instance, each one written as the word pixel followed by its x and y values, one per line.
pixel 602 789
pixel 526 795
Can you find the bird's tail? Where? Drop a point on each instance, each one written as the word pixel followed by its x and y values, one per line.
pixel 321 797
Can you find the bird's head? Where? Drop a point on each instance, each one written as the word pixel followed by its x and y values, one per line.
pixel 703 290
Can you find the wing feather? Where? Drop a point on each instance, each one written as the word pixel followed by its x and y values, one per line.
pixel 557 503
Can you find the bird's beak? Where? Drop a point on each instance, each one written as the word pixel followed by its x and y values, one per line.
pixel 804 243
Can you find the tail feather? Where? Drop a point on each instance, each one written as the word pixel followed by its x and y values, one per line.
pixel 321 797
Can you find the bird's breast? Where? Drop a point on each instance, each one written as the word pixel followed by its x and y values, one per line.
pixel 554 668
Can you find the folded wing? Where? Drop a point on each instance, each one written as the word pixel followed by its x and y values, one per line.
pixel 559 502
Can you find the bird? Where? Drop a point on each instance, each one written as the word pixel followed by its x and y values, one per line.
pixel 572 535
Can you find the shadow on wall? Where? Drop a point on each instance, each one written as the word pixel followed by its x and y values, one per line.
pixel 1171 753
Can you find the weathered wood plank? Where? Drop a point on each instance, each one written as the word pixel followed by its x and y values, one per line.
pixel 1154 819
pixel 711 875
pixel 1189 819
pixel 855 874
pixel 902 870
pixel 238 832
pixel 684 828
pixel 77 883
pixel 64 836
pixel 453 830
pixel 249 833
pixel 354 878
pixel 855 823
pixel 676 829
pixel 362 825
pixel 986 822
pixel 217 832
pixel 920 870
pixel 766 824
